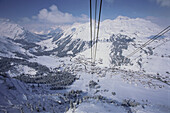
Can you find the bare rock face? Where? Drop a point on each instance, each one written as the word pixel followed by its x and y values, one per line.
pixel 92 84
pixel 130 103
pixel 119 43
pixel 113 93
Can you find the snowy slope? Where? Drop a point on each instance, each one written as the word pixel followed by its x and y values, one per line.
pixel 121 36
pixel 17 45
pixel 8 48
pixel 62 44
pixel 10 30
pixel 132 27
pixel 120 86
pixel 19 97
pixel 76 38
pixel 117 39
pixel 154 58
pixel 16 39
pixel 16 32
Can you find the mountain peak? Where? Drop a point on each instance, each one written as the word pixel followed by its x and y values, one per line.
pixel 10 29
pixel 122 18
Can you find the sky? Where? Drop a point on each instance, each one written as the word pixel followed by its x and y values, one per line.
pixel 34 14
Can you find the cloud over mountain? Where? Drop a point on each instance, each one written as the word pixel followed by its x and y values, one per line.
pixel 48 17
pixel 54 15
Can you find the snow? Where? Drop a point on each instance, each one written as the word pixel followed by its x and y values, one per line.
pixel 20 69
pixel 98 107
pixel 114 82
pixel 159 62
pixel 8 48
pixel 22 98
pixel 138 28
pixel 46 60
pixel 132 84
pixel 69 52
pixel 9 29
pixel 47 43
pixel 148 85
pixel 103 51
pixel 49 61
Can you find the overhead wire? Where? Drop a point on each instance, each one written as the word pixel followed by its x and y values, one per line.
pixel 91 29
pixel 95 20
pixel 151 49
pixel 94 38
pixel 150 41
pixel 98 30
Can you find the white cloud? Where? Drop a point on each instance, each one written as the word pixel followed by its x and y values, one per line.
pixel 54 15
pixel 163 3
pixel 109 1
pixel 47 18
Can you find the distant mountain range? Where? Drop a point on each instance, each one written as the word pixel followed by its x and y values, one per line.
pixel 117 39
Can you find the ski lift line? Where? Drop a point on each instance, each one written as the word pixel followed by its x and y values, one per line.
pixel 159 36
pixel 155 37
pixel 147 42
pixel 91 28
pixel 95 21
pixel 94 38
pixel 98 30
pixel 150 41
pixel 138 50
pixel 152 49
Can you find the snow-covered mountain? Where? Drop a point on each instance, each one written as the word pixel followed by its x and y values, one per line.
pixel 16 32
pixel 52 72
pixel 117 39
pixel 17 46
pixel 9 48
pixel 78 34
